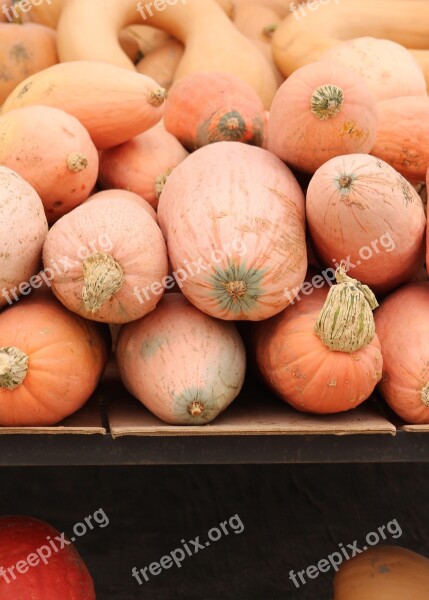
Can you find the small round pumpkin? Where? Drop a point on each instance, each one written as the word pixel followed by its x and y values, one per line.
pixel 50 361
pixel 119 194
pixel 53 152
pixel 183 365
pixel 321 111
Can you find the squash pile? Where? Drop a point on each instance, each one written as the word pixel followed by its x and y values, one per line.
pixel 161 180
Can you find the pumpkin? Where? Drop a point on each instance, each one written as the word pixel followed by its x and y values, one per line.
pixel 203 108
pixel 318 27
pixel 108 250
pixel 280 7
pixel 46 12
pixel 387 67
pixel 113 104
pixel 118 194
pixel 233 218
pixel 183 365
pixel 402 323
pixel 162 63
pixel 403 136
pixel 304 366
pixel 362 211
pixel 44 564
pixel 383 573
pixel 24 50
pixel 142 164
pixel 42 135
pixel 321 111
pixel 198 24
pixel 23 229
pixel 50 360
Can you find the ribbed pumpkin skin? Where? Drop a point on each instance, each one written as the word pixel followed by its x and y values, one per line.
pixel 302 371
pixel 124 230
pixel 23 229
pixel 387 67
pixel 383 573
pixel 177 356
pixel 120 194
pixel 239 212
pixel 137 164
pixel 64 576
pixel 293 124
pixel 203 108
pixel 402 324
pixel 114 105
pixel 66 358
pixel 403 135
pixel 378 202
pixel 53 152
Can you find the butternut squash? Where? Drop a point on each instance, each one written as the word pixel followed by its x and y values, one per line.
pixel 161 63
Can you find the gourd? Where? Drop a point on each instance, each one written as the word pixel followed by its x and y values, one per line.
pixel 183 365
pixel 53 152
pixel 233 218
pixel 119 194
pixel 162 63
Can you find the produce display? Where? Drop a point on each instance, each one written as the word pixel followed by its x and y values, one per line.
pixel 195 164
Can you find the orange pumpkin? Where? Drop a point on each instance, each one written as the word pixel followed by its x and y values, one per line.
pixel 24 50
pixel 362 211
pixel 108 251
pixel 183 365
pixel 321 111
pixel 53 152
pixel 233 218
pixel 50 362
pixel 23 229
pixel 403 136
pixel 402 317
pixel 383 573
pixel 114 105
pixel 301 369
pixel 214 107
pixel 142 164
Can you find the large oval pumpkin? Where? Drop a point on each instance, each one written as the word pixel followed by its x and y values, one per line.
pixel 50 361
pixel 402 323
pixel 362 211
pixel 23 229
pixel 49 568
pixel 183 365
pixel 233 218
pixel 383 573
pixel 53 152
pixel 108 258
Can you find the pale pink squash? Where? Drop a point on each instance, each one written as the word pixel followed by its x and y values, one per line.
pixel 362 211
pixel 183 365
pixel 305 373
pixel 142 164
pixel 388 68
pixel 124 194
pixel 322 110
pixel 23 229
pixel 113 104
pixel 53 152
pixel 233 217
pixel 402 323
pixel 403 136
pixel 102 255
pixel 50 361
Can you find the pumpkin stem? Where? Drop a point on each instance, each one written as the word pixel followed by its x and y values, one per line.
pixel 77 162
pixel 157 96
pixel 326 101
pixel 424 394
pixel 346 322
pixel 160 182
pixel 236 289
pixel 270 29
pixel 103 277
pixel 13 367
pixel 196 408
